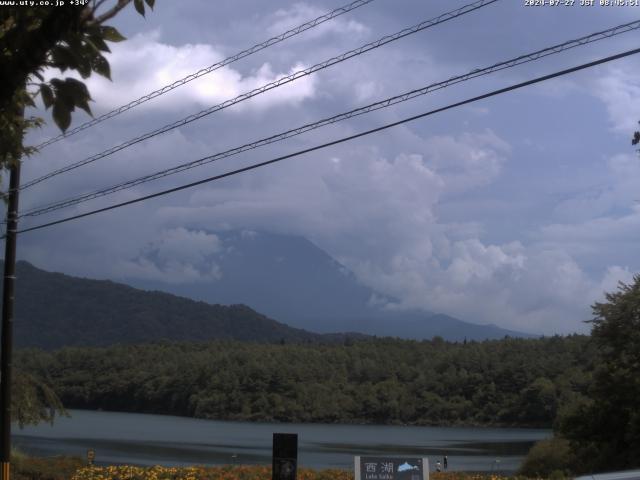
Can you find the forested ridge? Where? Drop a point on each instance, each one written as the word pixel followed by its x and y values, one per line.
pixel 54 310
pixel 509 382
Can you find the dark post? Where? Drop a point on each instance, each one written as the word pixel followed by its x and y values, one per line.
pixel 285 456
pixel 6 341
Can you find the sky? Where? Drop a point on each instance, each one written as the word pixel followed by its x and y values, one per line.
pixel 520 210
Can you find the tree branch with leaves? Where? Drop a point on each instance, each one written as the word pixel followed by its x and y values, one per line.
pixel 34 41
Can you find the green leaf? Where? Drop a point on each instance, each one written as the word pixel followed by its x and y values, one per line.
pixel 101 66
pixel 83 54
pixel 65 97
pixel 29 101
pixel 111 34
pixel 151 3
pixel 139 4
pixel 78 92
pixel 71 93
pixel 84 105
pixel 91 46
pixel 99 43
pixel 61 115
pixel 63 58
pixel 56 83
pixel 47 95
pixel 77 87
pixel 84 68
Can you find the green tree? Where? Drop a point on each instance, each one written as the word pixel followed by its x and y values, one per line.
pixel 604 430
pixel 538 401
pixel 34 400
pixel 32 40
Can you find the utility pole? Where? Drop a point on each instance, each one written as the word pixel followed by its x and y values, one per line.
pixel 6 342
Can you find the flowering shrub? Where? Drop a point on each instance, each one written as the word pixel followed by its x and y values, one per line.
pixel 124 472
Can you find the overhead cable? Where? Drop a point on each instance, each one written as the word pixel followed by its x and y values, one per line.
pixel 522 59
pixel 336 142
pixel 270 86
pixel 211 68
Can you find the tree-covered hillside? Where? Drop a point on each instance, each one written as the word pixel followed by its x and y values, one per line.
pixel 506 382
pixel 55 310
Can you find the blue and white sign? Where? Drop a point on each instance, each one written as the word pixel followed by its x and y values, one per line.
pixel 391 468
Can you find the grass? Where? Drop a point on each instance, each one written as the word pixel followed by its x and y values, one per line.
pixel 56 468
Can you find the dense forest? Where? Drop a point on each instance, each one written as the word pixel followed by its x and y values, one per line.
pixel 509 382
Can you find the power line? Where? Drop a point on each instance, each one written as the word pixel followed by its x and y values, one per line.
pixel 337 118
pixel 341 140
pixel 211 68
pixel 270 86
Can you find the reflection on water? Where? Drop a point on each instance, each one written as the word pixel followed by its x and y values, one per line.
pixel 166 440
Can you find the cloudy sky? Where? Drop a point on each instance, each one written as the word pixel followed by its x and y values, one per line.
pixel 519 210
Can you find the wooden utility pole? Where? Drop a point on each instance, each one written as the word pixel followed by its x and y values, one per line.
pixel 8 296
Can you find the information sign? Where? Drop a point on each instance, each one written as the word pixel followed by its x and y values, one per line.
pixel 391 468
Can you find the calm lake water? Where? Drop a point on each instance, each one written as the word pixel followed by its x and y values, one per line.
pixel 166 440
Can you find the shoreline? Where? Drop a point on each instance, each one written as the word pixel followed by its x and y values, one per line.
pixel 460 425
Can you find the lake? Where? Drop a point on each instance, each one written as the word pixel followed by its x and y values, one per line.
pixel 167 440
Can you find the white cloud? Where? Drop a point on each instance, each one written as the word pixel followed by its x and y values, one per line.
pixel 178 256
pixel 510 285
pixel 473 260
pixel 607 236
pixel 399 247
pixel 470 160
pixel 378 217
pixel 367 90
pixel 143 64
pixel 286 19
pixel 619 89
pixel 603 221
pixel 611 279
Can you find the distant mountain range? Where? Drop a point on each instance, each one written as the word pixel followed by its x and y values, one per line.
pixel 311 296
pixel 55 310
pixel 285 277
pixel 290 279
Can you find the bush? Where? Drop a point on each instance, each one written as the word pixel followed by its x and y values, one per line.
pixel 54 468
pixel 550 458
